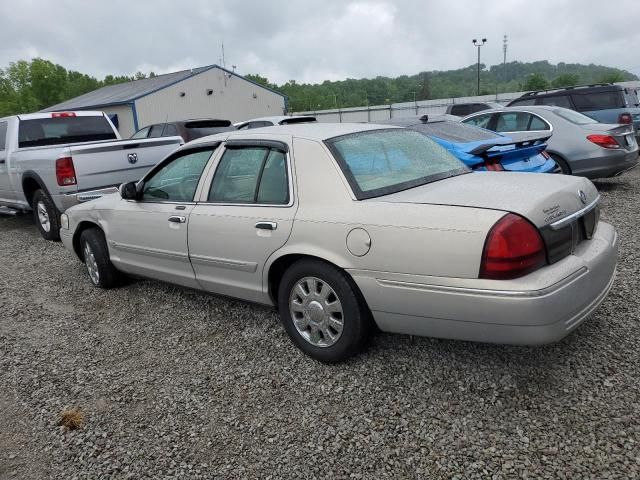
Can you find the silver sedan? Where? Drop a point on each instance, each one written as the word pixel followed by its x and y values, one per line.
pixel 343 227
pixel 579 144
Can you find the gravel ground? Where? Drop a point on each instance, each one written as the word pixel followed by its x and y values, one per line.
pixel 178 384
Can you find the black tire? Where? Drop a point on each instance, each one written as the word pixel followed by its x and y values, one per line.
pixel 356 318
pixel 565 169
pixel 107 275
pixel 46 216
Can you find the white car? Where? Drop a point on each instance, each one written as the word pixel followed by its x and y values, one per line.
pixel 343 226
pixel 274 120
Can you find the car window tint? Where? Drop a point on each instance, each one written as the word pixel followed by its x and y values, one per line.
pixel 598 101
pixel 479 121
pixel 460 110
pixel 156 131
pixel 141 133
pixel 237 175
pixel 177 180
pixel 478 107
pixel 536 123
pixel 273 182
pixel 170 130
pixel 3 136
pixel 512 122
pixel 556 101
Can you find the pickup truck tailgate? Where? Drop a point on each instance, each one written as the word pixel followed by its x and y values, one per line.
pixel 113 163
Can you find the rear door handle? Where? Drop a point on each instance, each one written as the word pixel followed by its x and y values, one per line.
pixel 2 160
pixel 177 219
pixel 267 225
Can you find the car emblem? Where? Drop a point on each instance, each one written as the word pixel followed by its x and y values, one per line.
pixel 132 157
pixel 583 197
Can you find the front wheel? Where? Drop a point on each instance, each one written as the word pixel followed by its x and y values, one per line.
pixel 322 311
pixel 95 255
pixel 46 216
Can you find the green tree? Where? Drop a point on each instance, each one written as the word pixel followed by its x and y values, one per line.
pixel 566 80
pixel 535 81
pixel 612 77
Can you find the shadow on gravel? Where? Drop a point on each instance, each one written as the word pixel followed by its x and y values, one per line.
pixel 610 185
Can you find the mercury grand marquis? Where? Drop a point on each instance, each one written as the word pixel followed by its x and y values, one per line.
pixel 343 227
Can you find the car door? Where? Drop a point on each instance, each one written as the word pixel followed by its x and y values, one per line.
pixel 245 214
pixel 148 237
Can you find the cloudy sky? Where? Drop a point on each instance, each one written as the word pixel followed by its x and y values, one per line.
pixel 310 40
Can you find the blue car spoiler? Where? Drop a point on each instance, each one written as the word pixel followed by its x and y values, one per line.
pixel 530 143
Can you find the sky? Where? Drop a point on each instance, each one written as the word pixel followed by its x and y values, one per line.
pixel 310 41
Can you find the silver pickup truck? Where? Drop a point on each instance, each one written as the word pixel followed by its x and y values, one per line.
pixel 51 161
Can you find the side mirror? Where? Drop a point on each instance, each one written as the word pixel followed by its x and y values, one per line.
pixel 128 191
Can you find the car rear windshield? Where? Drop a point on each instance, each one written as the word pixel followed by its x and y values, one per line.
pixel 381 162
pixel 454 132
pixel 60 130
pixel 574 117
pixel 599 100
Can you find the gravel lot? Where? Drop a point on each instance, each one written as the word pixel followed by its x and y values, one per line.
pixel 178 384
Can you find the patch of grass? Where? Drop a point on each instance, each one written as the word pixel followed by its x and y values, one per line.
pixel 71 418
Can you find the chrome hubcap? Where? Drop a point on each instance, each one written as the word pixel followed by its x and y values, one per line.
pixel 316 312
pixel 92 265
pixel 43 217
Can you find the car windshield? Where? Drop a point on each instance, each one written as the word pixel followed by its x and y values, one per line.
pixel 574 117
pixel 380 162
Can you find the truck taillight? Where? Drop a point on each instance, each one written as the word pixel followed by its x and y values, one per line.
pixel 604 141
pixel 63 114
pixel 65 173
pixel 512 249
pixel 625 118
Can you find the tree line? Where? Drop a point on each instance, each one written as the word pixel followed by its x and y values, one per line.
pixel 28 86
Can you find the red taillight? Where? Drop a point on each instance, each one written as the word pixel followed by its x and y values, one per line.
pixel 65 173
pixel 545 154
pixel 513 248
pixel 625 118
pixel 63 114
pixel 604 141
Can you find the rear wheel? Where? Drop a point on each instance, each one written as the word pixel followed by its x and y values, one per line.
pixel 322 311
pixel 95 255
pixel 562 164
pixel 46 215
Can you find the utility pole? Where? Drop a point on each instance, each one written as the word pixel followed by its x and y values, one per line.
pixel 504 60
pixel 479 44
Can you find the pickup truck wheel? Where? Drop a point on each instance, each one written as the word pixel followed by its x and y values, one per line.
pixel 322 311
pixel 46 216
pixel 95 255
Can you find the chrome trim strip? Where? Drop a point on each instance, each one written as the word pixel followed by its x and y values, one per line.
pixel 238 265
pixel 570 218
pixel 482 291
pixel 152 252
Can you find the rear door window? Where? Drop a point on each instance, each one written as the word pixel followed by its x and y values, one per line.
pixel 141 133
pixel 556 101
pixel 481 121
pixel 536 123
pixel 478 107
pixel 170 130
pixel 3 136
pixel 512 122
pixel 460 110
pixel 156 131
pixel 598 101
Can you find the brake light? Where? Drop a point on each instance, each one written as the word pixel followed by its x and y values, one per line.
pixel 604 141
pixel 63 114
pixel 625 118
pixel 545 154
pixel 65 173
pixel 512 249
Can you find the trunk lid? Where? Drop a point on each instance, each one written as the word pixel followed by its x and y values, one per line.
pixel 541 198
pixel 113 163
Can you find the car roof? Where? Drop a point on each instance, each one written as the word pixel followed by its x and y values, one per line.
pixel 276 118
pixel 519 108
pixel 312 131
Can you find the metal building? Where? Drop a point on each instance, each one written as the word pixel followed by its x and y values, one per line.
pixel 205 92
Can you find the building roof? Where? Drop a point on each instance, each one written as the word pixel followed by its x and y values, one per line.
pixel 124 93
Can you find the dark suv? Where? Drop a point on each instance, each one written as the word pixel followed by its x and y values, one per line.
pixel 187 129
pixel 464 109
pixel 604 102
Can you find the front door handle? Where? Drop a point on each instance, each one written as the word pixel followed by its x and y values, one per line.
pixel 177 219
pixel 267 225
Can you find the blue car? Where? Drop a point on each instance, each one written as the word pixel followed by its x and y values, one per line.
pixel 482 149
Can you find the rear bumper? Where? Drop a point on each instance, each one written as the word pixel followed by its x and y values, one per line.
pixel 67 200
pixel 606 163
pixel 539 308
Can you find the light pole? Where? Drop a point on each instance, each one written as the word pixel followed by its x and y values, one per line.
pixel 479 44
